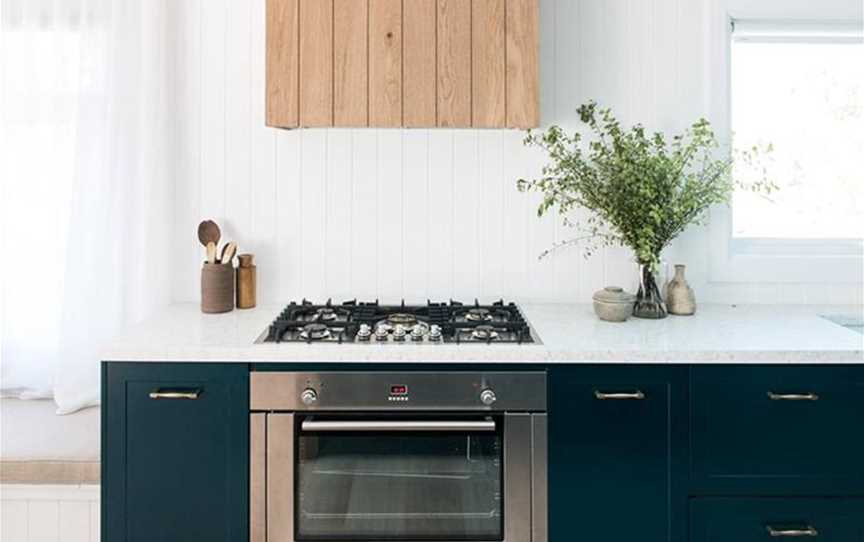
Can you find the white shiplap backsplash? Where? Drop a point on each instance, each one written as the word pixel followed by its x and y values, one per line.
pixel 419 214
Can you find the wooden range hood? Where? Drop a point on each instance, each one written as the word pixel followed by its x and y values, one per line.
pixel 402 63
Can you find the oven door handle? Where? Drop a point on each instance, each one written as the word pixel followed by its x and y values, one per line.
pixel 398 425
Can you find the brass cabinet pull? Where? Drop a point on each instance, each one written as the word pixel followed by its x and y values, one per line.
pixel 792 396
pixel 619 396
pixel 175 394
pixel 792 533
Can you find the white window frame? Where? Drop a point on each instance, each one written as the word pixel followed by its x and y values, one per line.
pixel 772 260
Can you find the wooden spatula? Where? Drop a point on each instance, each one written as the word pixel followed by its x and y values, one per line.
pixel 211 252
pixel 208 232
pixel 228 252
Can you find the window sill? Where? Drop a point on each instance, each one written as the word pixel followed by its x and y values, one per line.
pixel 815 261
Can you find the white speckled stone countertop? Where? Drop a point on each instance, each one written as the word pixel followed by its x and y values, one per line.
pixel 569 333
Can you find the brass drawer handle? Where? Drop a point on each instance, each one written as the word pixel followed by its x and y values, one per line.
pixel 792 533
pixel 175 394
pixel 620 396
pixel 792 396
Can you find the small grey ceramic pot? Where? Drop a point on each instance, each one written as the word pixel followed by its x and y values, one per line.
pixel 613 304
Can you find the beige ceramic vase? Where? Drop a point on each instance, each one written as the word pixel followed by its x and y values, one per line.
pixel 680 299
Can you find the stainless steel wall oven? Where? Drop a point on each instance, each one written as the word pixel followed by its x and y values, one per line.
pixel 403 457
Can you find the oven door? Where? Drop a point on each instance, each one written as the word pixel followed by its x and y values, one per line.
pixel 398 478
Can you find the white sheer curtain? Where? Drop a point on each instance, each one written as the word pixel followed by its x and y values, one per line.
pixel 86 206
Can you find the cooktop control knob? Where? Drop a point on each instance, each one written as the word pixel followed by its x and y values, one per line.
pixel 487 397
pixel 309 397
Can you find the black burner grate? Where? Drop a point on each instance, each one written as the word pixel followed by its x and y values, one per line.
pixel 498 322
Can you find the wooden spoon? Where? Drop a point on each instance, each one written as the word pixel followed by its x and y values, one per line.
pixel 228 252
pixel 211 252
pixel 208 232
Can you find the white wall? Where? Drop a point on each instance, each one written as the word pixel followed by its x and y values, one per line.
pixel 427 213
pixel 49 513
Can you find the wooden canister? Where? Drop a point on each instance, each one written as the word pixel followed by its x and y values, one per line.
pixel 217 287
pixel 246 282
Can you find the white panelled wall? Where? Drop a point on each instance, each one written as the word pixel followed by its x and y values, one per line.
pixel 419 214
pixel 49 513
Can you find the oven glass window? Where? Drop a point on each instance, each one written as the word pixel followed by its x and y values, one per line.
pixel 384 485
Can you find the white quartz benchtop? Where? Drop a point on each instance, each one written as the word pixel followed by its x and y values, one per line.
pixel 569 333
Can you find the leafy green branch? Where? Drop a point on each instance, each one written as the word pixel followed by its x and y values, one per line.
pixel 639 190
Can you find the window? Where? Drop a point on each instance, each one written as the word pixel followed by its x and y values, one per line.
pixel 800 88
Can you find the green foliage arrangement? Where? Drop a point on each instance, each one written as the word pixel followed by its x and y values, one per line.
pixel 639 190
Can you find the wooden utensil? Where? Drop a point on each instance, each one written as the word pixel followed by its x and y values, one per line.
pixel 208 232
pixel 228 252
pixel 211 252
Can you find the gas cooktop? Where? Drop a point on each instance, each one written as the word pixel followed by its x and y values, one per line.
pixel 371 322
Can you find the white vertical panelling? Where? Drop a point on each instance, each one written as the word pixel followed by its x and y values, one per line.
pixel 468 200
pixel 493 249
pixel 338 204
pixel 313 213
pixel 289 226
pixel 569 91
pixel 261 240
pixel 391 215
pixel 188 252
pixel 426 213
pixel 214 108
pixel 415 198
pixel 95 523
pixel 364 200
pixel 43 513
pixel 518 217
pixel 43 521
pixel 442 265
pixel 238 92
pixel 74 521
pixel 13 520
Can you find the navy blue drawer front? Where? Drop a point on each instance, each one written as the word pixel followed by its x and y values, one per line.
pixel 761 520
pixel 175 452
pixel 777 430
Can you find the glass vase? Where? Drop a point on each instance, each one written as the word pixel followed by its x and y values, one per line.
pixel 649 301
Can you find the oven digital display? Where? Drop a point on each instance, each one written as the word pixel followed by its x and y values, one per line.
pixel 398 389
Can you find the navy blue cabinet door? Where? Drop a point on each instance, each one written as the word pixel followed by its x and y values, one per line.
pixel 775 430
pixel 174 452
pixel 614 455
pixel 760 520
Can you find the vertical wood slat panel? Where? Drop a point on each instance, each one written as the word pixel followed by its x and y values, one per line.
pixel 282 63
pixel 419 63
pixel 454 63
pixel 488 63
pixel 350 63
pixel 523 93
pixel 385 63
pixel 316 62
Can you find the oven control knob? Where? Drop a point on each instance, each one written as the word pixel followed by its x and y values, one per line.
pixel 487 397
pixel 309 397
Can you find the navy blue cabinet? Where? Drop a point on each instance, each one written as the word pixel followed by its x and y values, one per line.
pixel 175 452
pixel 617 453
pixel 777 430
pixel 758 520
pixel 652 453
